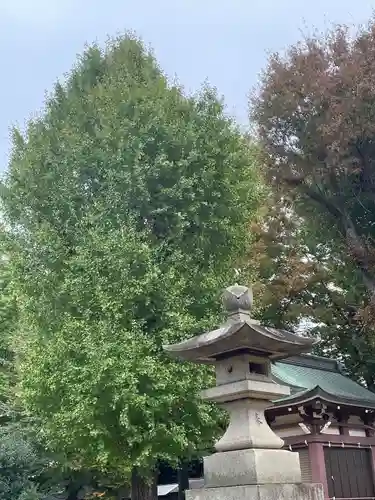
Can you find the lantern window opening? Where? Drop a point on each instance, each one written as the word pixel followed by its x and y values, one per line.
pixel 258 368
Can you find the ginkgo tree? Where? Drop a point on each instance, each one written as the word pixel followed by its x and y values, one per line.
pixel 128 205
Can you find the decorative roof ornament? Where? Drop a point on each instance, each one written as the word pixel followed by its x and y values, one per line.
pixel 237 297
pixel 237 303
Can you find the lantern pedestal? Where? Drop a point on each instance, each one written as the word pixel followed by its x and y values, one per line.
pixel 249 467
pixel 259 492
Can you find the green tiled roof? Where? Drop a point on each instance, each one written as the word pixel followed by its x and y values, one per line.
pixel 305 372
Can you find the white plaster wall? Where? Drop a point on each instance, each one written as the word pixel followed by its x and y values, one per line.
pixel 355 420
pixel 294 430
pixel 289 418
pixel 357 432
pixel 332 430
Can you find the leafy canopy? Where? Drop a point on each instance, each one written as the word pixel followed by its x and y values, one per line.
pixel 128 205
pixel 315 116
pixel 303 283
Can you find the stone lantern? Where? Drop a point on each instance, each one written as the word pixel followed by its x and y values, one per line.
pixel 250 462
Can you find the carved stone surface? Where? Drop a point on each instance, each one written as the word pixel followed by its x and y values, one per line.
pixel 248 427
pixel 242 367
pixel 251 466
pixel 259 492
pixel 237 298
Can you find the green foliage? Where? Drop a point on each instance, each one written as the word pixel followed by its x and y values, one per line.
pixel 128 206
pixel 314 114
pixel 8 319
pixel 21 459
pixel 15 459
pixel 305 281
pixel 20 464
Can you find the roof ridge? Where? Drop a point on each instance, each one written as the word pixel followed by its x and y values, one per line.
pixel 313 361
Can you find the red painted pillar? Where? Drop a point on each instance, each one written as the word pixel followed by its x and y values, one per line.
pixel 318 466
pixel 373 461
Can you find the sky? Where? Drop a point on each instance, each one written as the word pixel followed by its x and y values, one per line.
pixel 223 42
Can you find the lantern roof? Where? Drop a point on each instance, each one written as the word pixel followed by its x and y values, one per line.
pixel 240 334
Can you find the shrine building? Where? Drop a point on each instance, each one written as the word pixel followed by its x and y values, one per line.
pixel 328 419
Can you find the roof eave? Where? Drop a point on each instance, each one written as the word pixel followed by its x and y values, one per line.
pixel 317 392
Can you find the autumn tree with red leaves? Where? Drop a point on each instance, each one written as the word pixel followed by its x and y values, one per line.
pixel 303 284
pixel 315 115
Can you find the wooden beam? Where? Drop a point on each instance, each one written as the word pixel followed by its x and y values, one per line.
pixel 334 439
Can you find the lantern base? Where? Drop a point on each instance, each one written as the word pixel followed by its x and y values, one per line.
pixel 251 466
pixel 259 492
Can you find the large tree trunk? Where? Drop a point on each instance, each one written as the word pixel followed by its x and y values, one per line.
pixel 183 479
pixel 357 246
pixel 73 489
pixel 143 488
pixel 74 493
